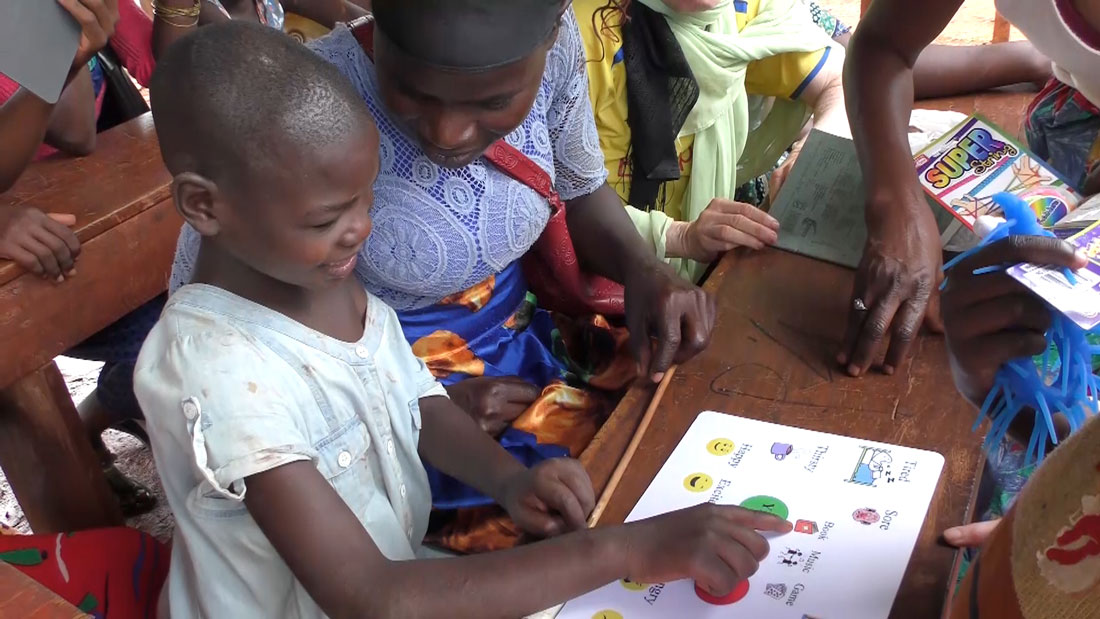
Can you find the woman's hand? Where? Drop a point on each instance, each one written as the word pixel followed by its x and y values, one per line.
pixel 550 498
pixel 493 402
pixel 97 19
pixel 669 318
pixel 896 286
pixel 991 318
pixel 722 226
pixel 42 243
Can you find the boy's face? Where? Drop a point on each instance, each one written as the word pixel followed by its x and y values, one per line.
pixel 314 215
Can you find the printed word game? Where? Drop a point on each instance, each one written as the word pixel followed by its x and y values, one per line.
pixel 857 507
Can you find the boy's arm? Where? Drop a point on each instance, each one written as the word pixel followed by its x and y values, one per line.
pixel 340 566
pixel 895 284
pixel 454 443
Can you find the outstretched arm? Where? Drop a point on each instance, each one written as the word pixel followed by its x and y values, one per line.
pixel 895 285
pixel 660 305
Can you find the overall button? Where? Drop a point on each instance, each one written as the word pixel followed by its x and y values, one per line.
pixel 190 408
pixel 361 352
pixel 389 446
pixel 344 459
pixel 403 491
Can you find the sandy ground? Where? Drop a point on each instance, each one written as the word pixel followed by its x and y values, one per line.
pixel 973 25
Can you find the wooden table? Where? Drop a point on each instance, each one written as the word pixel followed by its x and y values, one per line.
pixel 779 325
pixel 127 227
pixel 1004 107
pixel 23 597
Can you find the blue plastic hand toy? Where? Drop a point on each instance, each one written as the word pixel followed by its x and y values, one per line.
pixel 1059 381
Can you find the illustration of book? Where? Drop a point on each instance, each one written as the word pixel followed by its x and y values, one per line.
pixel 963 169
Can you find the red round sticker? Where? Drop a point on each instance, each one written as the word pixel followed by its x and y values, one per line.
pixel 739 592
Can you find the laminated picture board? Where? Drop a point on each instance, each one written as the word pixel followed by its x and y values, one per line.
pixel 857 507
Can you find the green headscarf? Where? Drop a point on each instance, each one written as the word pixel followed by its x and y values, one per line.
pixel 719 56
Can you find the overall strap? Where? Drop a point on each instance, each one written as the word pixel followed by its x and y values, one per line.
pixel 514 163
pixel 362 28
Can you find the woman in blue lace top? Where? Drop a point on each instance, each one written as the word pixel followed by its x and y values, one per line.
pixel 444 81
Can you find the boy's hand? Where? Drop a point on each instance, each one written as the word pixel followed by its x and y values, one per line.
pixel 493 402
pixel 991 318
pixel 550 498
pixel 40 242
pixel 97 19
pixel 717 546
pixel 722 226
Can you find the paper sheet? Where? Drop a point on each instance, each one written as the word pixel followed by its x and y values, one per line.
pixel 857 506
pixel 820 207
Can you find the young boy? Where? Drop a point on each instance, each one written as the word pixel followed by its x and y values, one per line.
pixel 289 416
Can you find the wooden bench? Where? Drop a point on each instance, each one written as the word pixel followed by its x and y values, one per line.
pixel 23 597
pixel 127 226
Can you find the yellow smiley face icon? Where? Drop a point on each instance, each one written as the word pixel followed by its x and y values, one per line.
pixel 720 446
pixel 698 482
pixel 607 614
pixel 630 585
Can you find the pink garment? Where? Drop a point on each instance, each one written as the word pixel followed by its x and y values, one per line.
pixel 132 42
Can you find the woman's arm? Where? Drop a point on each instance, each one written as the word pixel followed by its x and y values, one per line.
pixel 73 123
pixel 325 12
pixel 660 305
pixel 896 282
pixel 168 30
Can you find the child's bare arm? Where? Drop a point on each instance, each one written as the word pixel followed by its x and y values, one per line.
pixel 342 569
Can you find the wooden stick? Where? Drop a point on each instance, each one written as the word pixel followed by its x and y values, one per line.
pixel 643 425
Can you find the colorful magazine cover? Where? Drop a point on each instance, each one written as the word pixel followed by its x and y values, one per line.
pixel 963 169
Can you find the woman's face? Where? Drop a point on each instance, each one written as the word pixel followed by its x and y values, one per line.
pixel 456 115
pixel 692 6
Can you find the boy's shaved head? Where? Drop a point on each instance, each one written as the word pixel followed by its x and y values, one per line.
pixel 235 102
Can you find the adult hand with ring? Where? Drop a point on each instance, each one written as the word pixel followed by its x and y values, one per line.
pixel 896 287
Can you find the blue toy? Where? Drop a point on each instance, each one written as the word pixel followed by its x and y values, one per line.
pixel 1059 381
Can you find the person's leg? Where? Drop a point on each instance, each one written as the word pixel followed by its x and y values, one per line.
pixel 113 403
pixel 949 70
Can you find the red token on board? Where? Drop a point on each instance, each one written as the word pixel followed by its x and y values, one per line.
pixel 739 592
